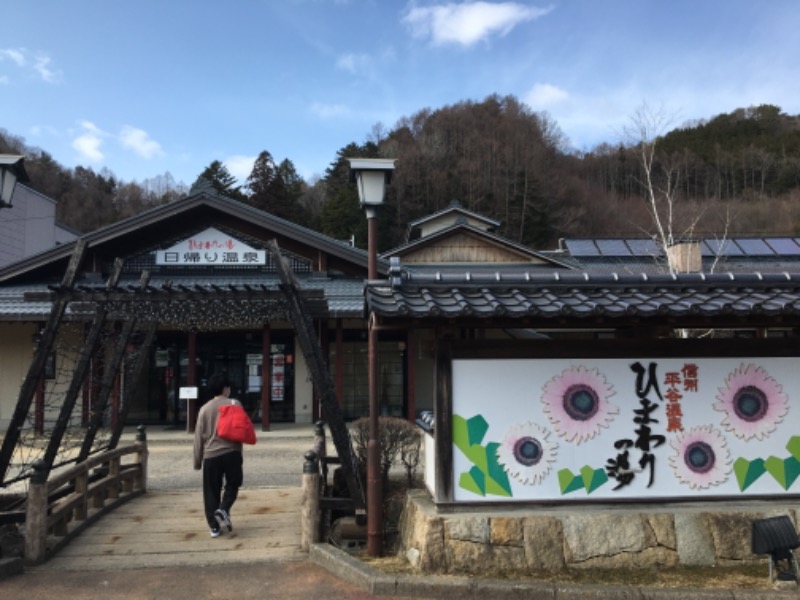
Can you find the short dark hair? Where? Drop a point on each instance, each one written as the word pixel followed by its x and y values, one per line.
pixel 217 383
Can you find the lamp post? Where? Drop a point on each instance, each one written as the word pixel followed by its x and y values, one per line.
pixel 371 176
pixel 11 170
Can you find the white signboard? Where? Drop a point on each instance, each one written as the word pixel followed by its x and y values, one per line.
pixel 187 393
pixel 605 429
pixel 211 247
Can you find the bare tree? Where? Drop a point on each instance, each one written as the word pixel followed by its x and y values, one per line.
pixel 659 179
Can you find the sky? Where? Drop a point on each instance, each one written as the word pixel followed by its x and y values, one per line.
pixel 146 87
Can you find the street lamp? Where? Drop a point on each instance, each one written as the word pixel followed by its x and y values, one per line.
pixel 371 176
pixel 11 170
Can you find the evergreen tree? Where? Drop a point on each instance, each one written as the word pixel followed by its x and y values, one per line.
pixel 221 180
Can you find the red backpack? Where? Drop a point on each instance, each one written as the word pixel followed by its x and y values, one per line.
pixel 235 425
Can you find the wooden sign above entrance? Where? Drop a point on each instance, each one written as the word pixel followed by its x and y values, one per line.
pixel 211 247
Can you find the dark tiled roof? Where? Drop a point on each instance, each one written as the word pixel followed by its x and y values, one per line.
pixel 576 295
pixel 338 297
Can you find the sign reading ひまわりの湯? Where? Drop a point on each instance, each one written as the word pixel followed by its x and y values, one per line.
pixel 564 429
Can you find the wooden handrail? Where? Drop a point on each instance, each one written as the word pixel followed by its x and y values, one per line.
pixel 59 508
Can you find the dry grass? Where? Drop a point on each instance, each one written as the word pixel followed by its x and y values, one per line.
pixel 751 576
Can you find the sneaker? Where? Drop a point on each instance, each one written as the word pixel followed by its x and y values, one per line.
pixel 223 518
pixel 215 532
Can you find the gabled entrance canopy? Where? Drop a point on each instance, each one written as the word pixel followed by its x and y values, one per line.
pixel 165 225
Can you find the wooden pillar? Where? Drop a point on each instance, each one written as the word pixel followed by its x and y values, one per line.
pixel 191 370
pixel 315 409
pixel 309 507
pixel 36 516
pixel 339 363
pixel 38 407
pixel 411 376
pixel 115 403
pixel 86 406
pixel 141 457
pixel 191 376
pixel 266 377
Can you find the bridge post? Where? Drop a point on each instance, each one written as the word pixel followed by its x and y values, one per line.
pixel 36 515
pixel 141 457
pixel 309 511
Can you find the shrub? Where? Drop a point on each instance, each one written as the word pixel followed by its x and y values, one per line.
pixel 400 444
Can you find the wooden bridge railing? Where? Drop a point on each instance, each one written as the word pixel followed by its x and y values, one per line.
pixel 59 508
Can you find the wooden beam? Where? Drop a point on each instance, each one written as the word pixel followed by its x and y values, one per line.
pixel 79 375
pixel 309 344
pixel 137 390
pixel 36 369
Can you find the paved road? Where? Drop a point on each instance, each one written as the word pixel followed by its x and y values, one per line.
pixel 275 461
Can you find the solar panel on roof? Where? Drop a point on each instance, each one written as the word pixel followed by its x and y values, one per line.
pixel 720 248
pixel 754 246
pixel 582 248
pixel 644 247
pixel 613 247
pixel 785 246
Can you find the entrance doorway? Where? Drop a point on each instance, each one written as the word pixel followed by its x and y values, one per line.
pixel 239 354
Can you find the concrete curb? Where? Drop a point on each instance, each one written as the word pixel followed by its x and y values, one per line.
pixel 355 572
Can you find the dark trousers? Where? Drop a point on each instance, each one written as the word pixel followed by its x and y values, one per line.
pixel 226 468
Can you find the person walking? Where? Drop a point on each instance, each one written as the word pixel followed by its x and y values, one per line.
pixel 221 460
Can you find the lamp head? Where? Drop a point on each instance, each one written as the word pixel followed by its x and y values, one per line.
pixel 371 176
pixel 12 170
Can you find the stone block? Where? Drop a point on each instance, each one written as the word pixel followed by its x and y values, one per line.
pixel 543 543
pixel 592 535
pixel 731 534
pixel 507 560
pixel 468 529
pixel 657 557
pixel 467 557
pixel 432 557
pixel 663 527
pixel 506 531
pixel 693 540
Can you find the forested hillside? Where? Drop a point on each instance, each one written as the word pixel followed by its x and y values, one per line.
pixel 736 173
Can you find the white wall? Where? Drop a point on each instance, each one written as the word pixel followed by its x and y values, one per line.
pixel 16 351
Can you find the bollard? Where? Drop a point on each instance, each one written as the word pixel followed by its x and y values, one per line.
pixel 36 515
pixel 309 511
pixel 320 447
pixel 319 440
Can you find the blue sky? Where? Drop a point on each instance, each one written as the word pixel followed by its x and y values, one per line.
pixel 152 86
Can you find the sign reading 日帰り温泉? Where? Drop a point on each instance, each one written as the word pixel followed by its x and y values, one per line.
pixel 560 429
pixel 211 247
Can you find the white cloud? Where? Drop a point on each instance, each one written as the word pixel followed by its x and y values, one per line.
pixel 543 95
pixel 240 166
pixel 353 63
pixel 469 22
pixel 42 66
pixel 88 143
pixel 140 142
pixel 330 111
pixel 40 63
pixel 17 56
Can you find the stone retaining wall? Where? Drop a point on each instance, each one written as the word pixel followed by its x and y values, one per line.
pixel 511 540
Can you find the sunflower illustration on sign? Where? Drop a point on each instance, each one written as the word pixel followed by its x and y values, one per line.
pixel 526 453
pixel 701 457
pixel 753 403
pixel 576 402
